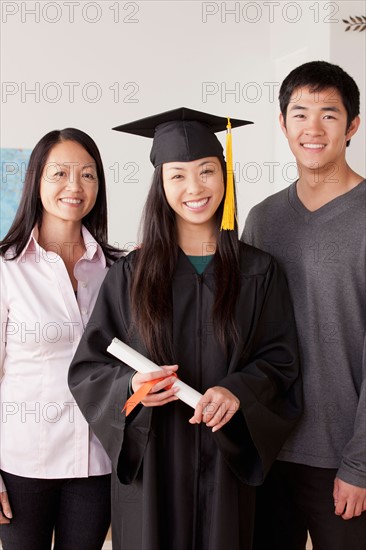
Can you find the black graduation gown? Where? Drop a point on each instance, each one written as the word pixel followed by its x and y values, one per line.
pixel 176 485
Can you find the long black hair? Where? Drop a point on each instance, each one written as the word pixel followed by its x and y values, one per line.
pixel 154 266
pixel 30 208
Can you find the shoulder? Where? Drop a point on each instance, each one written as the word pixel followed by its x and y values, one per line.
pixel 254 261
pixel 272 205
pixel 7 258
pixel 124 265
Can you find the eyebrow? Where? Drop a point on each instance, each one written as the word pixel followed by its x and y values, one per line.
pixel 199 165
pixel 301 108
pixel 68 163
pixel 207 162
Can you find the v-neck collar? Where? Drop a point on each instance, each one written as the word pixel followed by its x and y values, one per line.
pixel 185 266
pixel 329 209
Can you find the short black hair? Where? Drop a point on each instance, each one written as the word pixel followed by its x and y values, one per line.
pixel 318 76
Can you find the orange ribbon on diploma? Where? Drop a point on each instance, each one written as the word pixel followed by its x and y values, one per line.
pixel 142 392
pixel 139 363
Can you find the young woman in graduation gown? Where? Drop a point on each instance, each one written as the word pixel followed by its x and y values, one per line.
pixel 213 311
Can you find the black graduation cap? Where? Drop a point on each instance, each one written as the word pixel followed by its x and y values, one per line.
pixel 181 134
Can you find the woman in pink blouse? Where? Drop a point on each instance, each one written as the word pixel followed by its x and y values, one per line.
pixel 55 475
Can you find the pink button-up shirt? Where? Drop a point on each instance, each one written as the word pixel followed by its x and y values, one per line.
pixel 43 433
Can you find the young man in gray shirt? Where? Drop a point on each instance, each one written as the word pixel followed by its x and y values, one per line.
pixel 316 228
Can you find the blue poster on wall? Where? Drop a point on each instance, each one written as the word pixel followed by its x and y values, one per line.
pixel 13 168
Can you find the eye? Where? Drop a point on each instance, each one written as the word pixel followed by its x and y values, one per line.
pixel 89 176
pixel 299 116
pixel 60 174
pixel 207 172
pixel 177 177
pixel 329 117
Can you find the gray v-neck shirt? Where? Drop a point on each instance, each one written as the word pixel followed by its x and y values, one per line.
pixel 323 254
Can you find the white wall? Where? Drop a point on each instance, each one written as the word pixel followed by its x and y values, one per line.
pixel 348 49
pixel 158 56
pixel 321 36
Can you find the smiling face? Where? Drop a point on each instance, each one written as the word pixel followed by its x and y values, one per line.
pixel 316 129
pixel 69 183
pixel 194 190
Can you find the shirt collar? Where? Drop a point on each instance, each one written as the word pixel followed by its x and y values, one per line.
pixel 92 253
pixel 93 250
pixel 31 245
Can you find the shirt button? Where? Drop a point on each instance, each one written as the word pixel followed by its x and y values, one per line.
pixel 84 311
pixel 83 284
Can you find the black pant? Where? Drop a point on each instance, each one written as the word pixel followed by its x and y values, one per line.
pixel 296 498
pixel 76 510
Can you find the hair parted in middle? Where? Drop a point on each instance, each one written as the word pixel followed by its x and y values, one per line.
pixel 154 266
pixel 30 209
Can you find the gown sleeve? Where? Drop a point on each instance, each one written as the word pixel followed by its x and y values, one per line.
pixel 99 382
pixel 267 381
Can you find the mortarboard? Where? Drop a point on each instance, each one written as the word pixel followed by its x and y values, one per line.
pixel 184 135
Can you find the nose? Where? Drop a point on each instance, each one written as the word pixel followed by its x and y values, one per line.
pixel 74 179
pixel 314 127
pixel 195 185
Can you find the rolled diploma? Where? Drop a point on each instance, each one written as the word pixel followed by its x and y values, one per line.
pixel 141 364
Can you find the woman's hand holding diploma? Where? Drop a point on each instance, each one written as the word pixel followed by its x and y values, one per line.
pixel 163 392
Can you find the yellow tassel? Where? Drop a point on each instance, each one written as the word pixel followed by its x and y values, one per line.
pixel 228 216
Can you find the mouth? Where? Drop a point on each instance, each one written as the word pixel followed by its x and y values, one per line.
pixel 313 146
pixel 71 201
pixel 197 205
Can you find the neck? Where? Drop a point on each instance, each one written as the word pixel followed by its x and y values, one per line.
pixel 196 240
pixel 315 188
pixel 63 237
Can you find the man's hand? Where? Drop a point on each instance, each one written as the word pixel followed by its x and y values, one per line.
pixel 349 500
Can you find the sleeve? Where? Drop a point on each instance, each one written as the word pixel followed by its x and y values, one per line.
pixel 353 464
pixel 248 232
pixel 268 384
pixel 99 382
pixel 4 322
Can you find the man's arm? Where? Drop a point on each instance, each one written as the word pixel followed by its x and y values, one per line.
pixel 350 484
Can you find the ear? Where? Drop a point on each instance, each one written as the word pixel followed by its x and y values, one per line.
pixel 283 124
pixel 353 127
